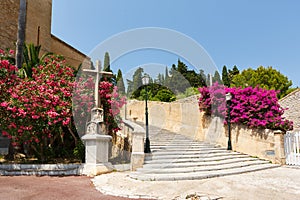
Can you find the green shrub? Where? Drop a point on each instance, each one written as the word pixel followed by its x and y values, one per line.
pixel 165 95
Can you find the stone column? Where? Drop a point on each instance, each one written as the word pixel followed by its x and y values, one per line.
pixel 96 154
pixel 279 147
pixel 137 155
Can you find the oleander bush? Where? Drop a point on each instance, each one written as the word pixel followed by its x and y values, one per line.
pixel 36 111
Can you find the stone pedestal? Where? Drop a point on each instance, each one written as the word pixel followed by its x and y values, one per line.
pixel 96 154
pixel 279 147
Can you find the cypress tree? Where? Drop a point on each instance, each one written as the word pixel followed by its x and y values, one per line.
pixel 225 77
pixel 216 77
pixel 106 64
pixel 120 83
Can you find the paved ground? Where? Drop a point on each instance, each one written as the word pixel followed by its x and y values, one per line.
pixel 50 188
pixel 276 184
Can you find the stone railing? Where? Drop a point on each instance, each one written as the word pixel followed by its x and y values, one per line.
pixel 137 143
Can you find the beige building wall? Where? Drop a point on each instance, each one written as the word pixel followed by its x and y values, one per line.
pixel 38 30
pixel 73 56
pixel 38 23
pixel 8 23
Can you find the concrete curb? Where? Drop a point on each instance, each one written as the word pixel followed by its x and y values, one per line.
pixel 40 169
pixel 49 169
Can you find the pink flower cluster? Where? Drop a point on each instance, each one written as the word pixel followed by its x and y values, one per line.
pixel 34 108
pixel 254 107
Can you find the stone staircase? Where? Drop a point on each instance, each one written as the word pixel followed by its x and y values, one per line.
pixel 176 157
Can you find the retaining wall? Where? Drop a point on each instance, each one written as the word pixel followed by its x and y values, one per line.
pixel 184 117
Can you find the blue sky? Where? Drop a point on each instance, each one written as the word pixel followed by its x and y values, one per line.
pixel 246 33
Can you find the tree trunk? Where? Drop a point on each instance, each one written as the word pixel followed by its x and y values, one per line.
pixel 21 33
pixel 19 49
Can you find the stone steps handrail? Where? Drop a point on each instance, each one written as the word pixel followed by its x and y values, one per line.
pixel 138 134
pixel 133 126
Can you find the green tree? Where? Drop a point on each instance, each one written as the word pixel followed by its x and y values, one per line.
pixel 166 76
pixel 177 82
pixel 106 64
pixel 106 67
pixel 232 73
pixel 193 78
pixel 181 67
pixel 267 78
pixel 129 87
pixel 160 79
pixel 202 78
pixel 225 77
pixel 136 82
pixel 120 83
pixel 165 95
pixel 216 77
pixel 209 80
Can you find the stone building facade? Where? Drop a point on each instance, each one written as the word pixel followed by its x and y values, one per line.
pixel 292 103
pixel 38 30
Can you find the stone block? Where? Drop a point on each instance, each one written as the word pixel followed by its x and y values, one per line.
pixel 137 160
pixel 96 169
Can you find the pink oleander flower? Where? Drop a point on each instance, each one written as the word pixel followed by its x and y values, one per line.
pixel 4 104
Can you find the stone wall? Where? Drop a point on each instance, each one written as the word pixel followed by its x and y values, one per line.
pixel 260 143
pixel 292 103
pixel 184 117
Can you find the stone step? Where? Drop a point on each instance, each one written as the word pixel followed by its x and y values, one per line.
pixel 197 163
pixel 199 175
pixel 186 152
pixel 175 142
pixel 183 149
pixel 188 156
pixel 191 160
pixel 181 144
pixel 202 168
pixel 168 139
pixel 178 143
pixel 177 157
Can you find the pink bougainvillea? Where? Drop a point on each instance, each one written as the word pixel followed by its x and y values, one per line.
pixel 254 107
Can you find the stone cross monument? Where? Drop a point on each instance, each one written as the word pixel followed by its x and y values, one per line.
pixel 96 142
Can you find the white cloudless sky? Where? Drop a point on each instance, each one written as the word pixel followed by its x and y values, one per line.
pixel 245 33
